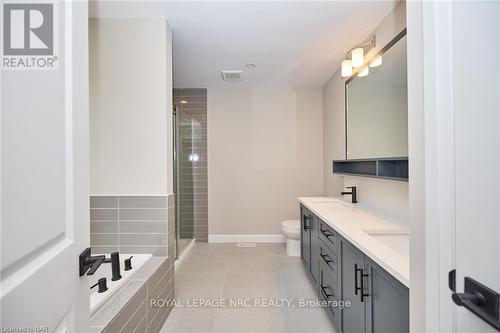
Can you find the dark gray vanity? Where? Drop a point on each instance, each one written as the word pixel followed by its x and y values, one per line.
pixel 340 271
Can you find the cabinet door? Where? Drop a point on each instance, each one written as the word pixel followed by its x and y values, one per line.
pixel 353 262
pixel 387 306
pixel 314 248
pixel 328 291
pixel 305 236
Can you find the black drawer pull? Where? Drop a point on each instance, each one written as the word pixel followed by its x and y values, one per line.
pixel 325 292
pixel 326 233
pixel 326 258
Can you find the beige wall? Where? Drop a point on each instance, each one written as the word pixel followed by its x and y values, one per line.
pixel 130 106
pixel 264 146
pixel 382 195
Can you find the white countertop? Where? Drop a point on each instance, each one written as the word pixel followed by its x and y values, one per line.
pixel 356 225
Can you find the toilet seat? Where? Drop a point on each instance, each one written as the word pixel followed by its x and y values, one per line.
pixel 291 224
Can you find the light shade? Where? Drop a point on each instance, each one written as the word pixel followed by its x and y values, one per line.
pixel 376 62
pixel 364 72
pixel 346 68
pixel 357 57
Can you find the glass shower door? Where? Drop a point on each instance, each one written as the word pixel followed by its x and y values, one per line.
pixel 184 157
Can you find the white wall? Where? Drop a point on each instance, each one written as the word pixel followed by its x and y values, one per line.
pixel 130 106
pixel 386 196
pixel 264 146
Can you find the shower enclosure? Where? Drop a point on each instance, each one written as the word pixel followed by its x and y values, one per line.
pixel 190 167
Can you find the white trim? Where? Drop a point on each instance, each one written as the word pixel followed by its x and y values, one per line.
pixel 257 238
pixel 184 253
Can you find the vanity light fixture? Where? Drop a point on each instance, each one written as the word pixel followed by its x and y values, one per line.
pixel 364 72
pixel 346 68
pixel 376 62
pixel 356 58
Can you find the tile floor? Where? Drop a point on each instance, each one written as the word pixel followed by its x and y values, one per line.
pixel 215 271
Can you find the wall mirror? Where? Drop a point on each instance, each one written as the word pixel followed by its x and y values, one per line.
pixel 376 106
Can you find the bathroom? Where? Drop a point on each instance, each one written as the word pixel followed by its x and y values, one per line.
pixel 224 166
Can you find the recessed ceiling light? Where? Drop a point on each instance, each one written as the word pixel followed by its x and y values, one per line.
pixel 183 101
pixel 251 66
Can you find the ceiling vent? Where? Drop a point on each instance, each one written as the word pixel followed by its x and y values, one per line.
pixel 231 75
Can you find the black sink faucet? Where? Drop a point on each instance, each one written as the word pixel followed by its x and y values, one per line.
pixel 352 193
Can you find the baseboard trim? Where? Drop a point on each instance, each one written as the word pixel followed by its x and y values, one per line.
pixel 257 238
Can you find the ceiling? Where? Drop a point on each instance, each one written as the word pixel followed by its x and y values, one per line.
pixel 299 43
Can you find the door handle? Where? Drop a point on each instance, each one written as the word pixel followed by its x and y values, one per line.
pixel 361 289
pixel 356 288
pixel 480 300
pixel 362 294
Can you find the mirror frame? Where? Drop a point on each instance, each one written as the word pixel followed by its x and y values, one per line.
pixel 355 75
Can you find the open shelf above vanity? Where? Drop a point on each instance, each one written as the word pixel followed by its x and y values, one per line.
pixel 386 168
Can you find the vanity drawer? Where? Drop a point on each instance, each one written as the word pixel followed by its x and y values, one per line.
pixel 329 261
pixel 328 291
pixel 329 236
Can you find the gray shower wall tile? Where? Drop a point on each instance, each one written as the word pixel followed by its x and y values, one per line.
pixel 143 202
pixel 143 239
pixel 104 239
pixel 138 224
pixel 157 251
pixel 104 227
pixel 103 214
pixel 103 202
pixel 134 214
pixel 143 227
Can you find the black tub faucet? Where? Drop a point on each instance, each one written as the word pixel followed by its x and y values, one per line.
pixel 89 263
pixel 353 194
pixel 115 266
pixel 102 285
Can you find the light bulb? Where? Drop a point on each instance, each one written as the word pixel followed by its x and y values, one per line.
pixel 346 68
pixel 364 72
pixel 376 62
pixel 357 57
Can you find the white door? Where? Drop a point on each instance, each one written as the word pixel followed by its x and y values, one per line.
pixel 44 184
pixel 461 66
pixel 476 68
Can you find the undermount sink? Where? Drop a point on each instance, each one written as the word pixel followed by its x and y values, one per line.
pixel 331 202
pixel 397 240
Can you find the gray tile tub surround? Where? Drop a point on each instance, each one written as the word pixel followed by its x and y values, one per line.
pixel 131 224
pixel 132 308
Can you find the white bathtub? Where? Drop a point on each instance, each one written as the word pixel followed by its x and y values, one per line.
pixel 98 299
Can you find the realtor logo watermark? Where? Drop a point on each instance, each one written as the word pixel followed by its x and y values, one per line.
pixel 29 36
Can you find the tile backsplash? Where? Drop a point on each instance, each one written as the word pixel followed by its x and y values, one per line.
pixel 132 224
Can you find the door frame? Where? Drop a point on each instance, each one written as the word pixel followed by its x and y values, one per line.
pixel 432 170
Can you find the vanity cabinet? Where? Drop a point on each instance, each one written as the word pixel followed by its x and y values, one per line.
pixel 353 261
pixel 378 301
pixel 309 239
pixel 387 306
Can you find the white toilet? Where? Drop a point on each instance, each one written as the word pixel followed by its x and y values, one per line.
pixel 291 230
